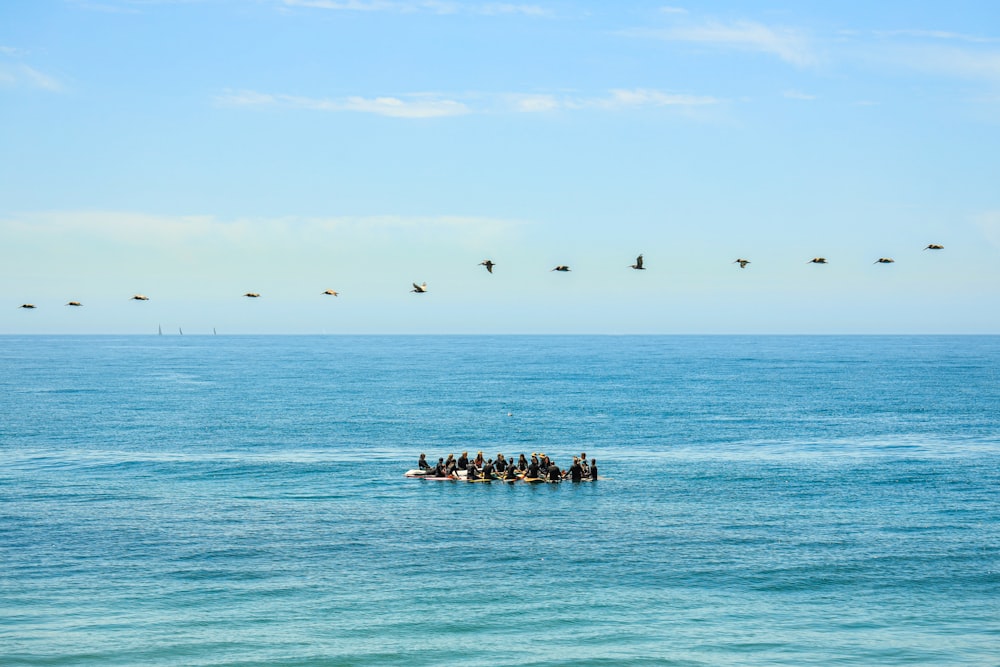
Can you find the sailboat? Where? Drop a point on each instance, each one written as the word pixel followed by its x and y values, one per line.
pixel 159 329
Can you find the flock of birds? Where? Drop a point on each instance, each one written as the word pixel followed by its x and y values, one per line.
pixel 489 264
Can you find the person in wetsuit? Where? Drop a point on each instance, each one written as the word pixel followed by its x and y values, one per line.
pixel 553 472
pixel 501 464
pixel 522 463
pixel 422 463
pixel 532 472
pixel 450 465
pixel 439 470
pixel 543 464
pixel 488 469
pixel 472 472
pixel 511 473
pixel 576 470
pixel 593 469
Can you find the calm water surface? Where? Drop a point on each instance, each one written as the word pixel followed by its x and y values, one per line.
pixel 240 501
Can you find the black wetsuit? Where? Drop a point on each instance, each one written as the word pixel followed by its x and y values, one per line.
pixel 487 471
pixel 463 462
pixel 439 471
pixel 593 472
pixel 554 475
pixel 473 473
pixel 532 471
pixel 576 472
pixel 501 466
pixel 511 472
pixel 423 464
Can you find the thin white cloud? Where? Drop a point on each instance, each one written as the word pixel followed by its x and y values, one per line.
pixel 434 106
pixel 948 61
pixel 937 35
pixel 413 106
pixel 345 5
pixel 642 97
pixel 500 8
pixel 798 95
pixel 615 100
pixel 534 103
pixel 788 44
pixel 22 76
pixel 989 223
pixel 422 6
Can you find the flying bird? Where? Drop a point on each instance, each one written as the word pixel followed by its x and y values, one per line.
pixel 140 297
pixel 419 289
pixel 489 264
pixel 742 262
pixel 27 305
pixel 638 264
pixel 934 246
pixel 884 260
pixel 252 295
pixel 817 260
pixel 74 303
pixel 561 267
pixel 332 292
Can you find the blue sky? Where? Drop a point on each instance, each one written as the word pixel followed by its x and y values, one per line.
pixel 196 150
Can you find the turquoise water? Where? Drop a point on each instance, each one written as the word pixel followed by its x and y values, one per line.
pixel 239 500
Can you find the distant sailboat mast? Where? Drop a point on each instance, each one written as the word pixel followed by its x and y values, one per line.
pixel 181 331
pixel 159 329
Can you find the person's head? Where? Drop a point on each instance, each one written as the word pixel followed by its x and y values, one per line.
pixel 440 460
pixel 583 455
pixel 465 454
pixel 423 456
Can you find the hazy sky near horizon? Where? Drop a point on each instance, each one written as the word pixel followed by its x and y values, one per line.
pixel 194 150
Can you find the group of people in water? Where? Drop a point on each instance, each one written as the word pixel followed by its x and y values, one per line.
pixel 538 468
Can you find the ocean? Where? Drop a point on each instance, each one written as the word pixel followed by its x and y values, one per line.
pixel 240 500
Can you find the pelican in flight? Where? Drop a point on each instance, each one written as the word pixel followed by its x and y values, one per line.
pixel 489 264
pixel 332 292
pixel 638 264
pixel 934 246
pixel 140 297
pixel 884 260
pixel 252 295
pixel 27 305
pixel 817 260
pixel 562 268
pixel 742 262
pixel 419 289
pixel 74 303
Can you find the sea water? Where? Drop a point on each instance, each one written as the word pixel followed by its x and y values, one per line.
pixel 238 500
